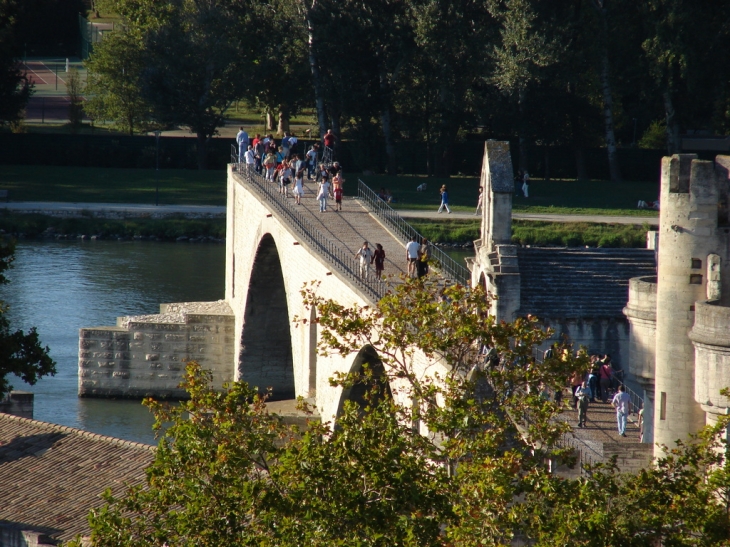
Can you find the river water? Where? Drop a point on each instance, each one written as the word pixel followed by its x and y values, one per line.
pixel 61 286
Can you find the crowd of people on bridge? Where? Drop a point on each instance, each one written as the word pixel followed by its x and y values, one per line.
pixel 284 165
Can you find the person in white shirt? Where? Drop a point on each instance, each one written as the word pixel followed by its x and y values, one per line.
pixel 621 403
pixel 366 255
pixel 412 256
pixel 250 158
pixel 242 140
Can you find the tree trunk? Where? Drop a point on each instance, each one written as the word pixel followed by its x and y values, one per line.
pixel 673 142
pixel 385 97
pixel 202 151
pixel 522 129
pixel 316 79
pixel 270 122
pixel 605 77
pixel 336 130
pixel 613 165
pixel 283 120
pixel 580 162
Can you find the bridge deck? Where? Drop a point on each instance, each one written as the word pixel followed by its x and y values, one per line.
pixel 349 228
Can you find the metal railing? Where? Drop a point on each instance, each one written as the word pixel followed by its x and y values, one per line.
pixel 341 259
pixel 451 270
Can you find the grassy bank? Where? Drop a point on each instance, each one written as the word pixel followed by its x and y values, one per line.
pixel 100 185
pixel 592 197
pixel 167 229
pixel 524 232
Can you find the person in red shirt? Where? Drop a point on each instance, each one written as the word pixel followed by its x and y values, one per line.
pixel 329 139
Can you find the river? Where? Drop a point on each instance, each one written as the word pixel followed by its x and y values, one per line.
pixel 61 286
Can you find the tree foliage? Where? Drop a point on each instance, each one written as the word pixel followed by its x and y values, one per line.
pixel 21 353
pixel 15 87
pixel 415 456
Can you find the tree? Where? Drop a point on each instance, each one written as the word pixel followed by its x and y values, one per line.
pixel 15 87
pixel 113 87
pixel 20 353
pixel 75 100
pixel 415 457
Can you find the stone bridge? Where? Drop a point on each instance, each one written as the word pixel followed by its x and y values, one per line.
pixel 273 248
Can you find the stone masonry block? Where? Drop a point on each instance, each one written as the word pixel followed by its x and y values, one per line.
pixel 175 337
pixel 86 354
pixel 157 346
pixel 84 363
pixel 103 355
pixel 121 374
pixel 121 355
pixel 155 365
pixel 198 338
pixel 86 343
pixel 152 357
pixel 106 364
pixel 139 336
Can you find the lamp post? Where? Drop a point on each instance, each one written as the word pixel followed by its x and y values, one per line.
pixel 157 167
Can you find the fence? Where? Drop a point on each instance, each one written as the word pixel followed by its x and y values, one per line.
pixel 451 270
pixel 341 259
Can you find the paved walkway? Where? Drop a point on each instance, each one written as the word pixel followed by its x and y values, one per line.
pixel 213 210
pixel 546 217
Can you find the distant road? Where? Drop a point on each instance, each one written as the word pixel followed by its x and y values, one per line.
pixel 212 210
pixel 546 217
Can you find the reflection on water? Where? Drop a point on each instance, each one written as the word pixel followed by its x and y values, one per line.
pixel 62 286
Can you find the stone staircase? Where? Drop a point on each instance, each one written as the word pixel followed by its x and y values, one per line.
pixel 575 282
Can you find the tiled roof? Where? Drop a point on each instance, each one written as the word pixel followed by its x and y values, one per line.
pixel 52 475
pixel 579 283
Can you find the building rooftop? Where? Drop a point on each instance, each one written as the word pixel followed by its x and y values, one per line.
pixel 577 283
pixel 53 475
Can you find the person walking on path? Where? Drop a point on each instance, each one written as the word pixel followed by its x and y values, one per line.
pixel 366 257
pixel 583 394
pixel 526 185
pixel 444 199
pixel 379 259
pixel 412 256
pixel 480 200
pixel 298 189
pixel 621 403
pixel 242 140
pixel 604 379
pixel 424 255
pixel 324 191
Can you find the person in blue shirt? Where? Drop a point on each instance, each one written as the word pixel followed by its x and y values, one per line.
pixel 444 199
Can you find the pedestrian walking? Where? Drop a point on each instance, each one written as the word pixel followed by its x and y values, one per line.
pixel 583 394
pixel 298 189
pixel 379 259
pixel 412 256
pixel 424 255
pixel 621 403
pixel 479 200
pixel 604 379
pixel 526 185
pixel 444 199
pixel 324 191
pixel 366 257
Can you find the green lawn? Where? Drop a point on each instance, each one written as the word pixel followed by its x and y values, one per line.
pixel 100 185
pixel 594 197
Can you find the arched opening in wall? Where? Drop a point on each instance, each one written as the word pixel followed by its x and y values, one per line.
pixel 266 347
pixel 357 393
pixel 312 352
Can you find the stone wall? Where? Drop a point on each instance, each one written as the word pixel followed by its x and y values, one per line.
pixel 18 403
pixel 146 355
pixel 641 313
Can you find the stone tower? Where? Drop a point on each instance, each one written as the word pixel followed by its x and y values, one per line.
pixel 691 352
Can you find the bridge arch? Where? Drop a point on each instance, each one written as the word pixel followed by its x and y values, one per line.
pixel 356 393
pixel 265 359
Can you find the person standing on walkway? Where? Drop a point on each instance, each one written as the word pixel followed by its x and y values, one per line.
pixel 324 191
pixel 621 403
pixel 480 200
pixel 412 256
pixel 526 185
pixel 242 140
pixel 424 255
pixel 604 379
pixel 444 199
pixel 298 190
pixel 379 259
pixel 583 394
pixel 366 257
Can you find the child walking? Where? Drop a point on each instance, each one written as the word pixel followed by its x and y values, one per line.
pixel 299 186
